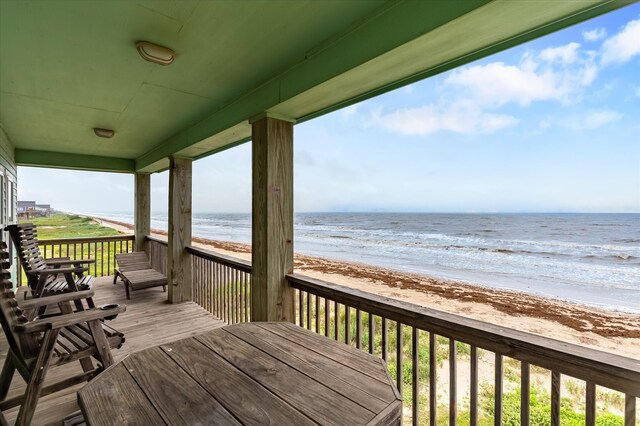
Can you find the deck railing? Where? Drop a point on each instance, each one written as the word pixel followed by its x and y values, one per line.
pixel 102 249
pixel 158 253
pixel 416 342
pixel 221 284
pixel 435 357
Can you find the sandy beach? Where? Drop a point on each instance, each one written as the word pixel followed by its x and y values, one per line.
pixel 599 329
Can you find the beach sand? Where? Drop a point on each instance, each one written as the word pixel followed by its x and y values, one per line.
pixel 604 330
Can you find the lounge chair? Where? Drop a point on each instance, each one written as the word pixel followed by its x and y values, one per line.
pixel 48 276
pixel 38 344
pixel 136 272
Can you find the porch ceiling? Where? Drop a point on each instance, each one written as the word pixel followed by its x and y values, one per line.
pixel 69 66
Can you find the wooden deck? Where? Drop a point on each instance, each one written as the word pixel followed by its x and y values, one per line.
pixel 148 321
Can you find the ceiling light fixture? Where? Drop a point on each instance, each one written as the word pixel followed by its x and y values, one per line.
pixel 154 53
pixel 104 133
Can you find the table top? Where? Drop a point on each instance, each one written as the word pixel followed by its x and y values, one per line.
pixel 251 373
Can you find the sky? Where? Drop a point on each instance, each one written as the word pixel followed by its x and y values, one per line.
pixel 552 125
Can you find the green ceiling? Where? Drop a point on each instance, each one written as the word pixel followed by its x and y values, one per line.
pixel 69 66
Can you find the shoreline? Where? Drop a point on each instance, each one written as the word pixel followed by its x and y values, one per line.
pixel 571 322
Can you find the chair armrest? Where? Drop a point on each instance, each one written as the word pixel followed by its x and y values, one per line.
pixel 55 271
pixel 54 262
pixel 60 321
pixel 55 299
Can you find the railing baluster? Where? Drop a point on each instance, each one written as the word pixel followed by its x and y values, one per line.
pixel 336 306
pixel 629 410
pixel 399 366
pixel 372 333
pixel 498 391
pixel 453 379
pixel 525 391
pixel 347 324
pixel 473 384
pixel 317 317
pixel 327 314
pixel 555 398
pixel 433 365
pixel 358 329
pixel 384 339
pixel 415 387
pixel 300 310
pixel 308 311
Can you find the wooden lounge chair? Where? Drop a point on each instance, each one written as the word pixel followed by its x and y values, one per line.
pixel 38 344
pixel 48 276
pixel 136 272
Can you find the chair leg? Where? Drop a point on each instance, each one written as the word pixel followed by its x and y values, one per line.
pixel 6 376
pixel 102 344
pixel 126 289
pixel 34 387
pixel 116 274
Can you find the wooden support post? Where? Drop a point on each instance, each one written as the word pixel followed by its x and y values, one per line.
pixel 178 260
pixel 272 220
pixel 142 210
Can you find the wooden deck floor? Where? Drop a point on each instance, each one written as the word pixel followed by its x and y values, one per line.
pixel 148 321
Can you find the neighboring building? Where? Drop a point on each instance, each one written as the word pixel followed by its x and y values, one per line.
pixel 26 206
pixel 29 209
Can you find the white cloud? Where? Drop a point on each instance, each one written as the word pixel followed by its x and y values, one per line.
pixel 623 46
pixel 558 73
pixel 430 119
pixel 595 34
pixel 567 54
pixel 592 119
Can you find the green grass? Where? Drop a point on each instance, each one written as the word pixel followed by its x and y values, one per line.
pixel 70 226
pixel 62 226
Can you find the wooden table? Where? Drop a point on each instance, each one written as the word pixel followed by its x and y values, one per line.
pixel 251 374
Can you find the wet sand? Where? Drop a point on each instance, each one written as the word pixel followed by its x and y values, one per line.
pixel 600 329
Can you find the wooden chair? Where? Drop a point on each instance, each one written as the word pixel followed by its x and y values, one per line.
pixel 48 276
pixel 39 344
pixel 136 272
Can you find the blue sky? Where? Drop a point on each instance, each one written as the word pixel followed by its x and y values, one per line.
pixel 549 126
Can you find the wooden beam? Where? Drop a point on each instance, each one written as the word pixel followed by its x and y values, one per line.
pixel 272 220
pixel 178 260
pixel 61 160
pixel 142 210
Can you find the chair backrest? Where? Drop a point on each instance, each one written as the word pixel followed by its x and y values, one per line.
pixel 23 344
pixel 25 239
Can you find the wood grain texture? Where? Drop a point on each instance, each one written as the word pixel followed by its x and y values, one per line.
pixel 606 369
pixel 249 402
pixel 272 220
pixel 142 210
pixel 97 400
pixel 148 321
pixel 179 235
pixel 242 374
pixel 175 395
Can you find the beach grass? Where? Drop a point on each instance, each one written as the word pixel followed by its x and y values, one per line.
pixel 70 226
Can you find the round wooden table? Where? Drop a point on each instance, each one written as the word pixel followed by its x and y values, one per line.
pixel 250 374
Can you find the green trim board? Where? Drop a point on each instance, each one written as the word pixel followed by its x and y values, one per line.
pixel 59 160
pixel 67 67
pixel 380 55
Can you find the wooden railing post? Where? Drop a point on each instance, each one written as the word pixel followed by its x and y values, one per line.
pixel 142 210
pixel 272 219
pixel 178 260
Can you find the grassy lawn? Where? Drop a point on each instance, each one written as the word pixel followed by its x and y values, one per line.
pixel 70 226
pixel 73 226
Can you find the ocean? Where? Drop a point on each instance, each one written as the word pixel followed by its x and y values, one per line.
pixel 591 259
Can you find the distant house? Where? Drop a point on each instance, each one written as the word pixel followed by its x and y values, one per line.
pixel 26 206
pixel 29 209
